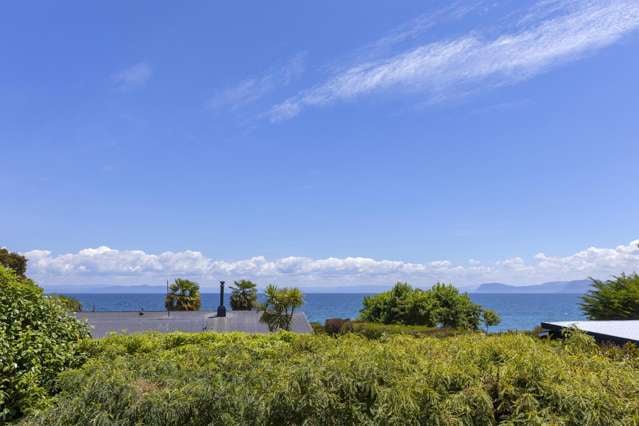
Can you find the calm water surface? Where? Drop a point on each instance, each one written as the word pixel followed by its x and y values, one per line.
pixel 517 311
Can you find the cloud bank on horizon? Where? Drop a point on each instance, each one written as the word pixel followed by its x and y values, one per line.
pixel 549 33
pixel 104 265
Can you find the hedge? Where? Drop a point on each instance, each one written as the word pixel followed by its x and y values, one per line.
pixel 208 378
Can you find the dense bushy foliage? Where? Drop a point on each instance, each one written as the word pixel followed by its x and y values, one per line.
pixel 38 339
pixel 14 261
pixel 442 305
pixel 237 379
pixel 243 295
pixel 184 295
pixel 335 326
pixel 373 330
pixel 615 299
pixel 71 304
pixel 279 307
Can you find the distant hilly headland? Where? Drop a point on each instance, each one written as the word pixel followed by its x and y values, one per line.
pixel 553 287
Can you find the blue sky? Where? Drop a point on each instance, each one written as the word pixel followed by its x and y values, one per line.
pixel 320 142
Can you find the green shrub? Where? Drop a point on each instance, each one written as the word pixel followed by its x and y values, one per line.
pixel 347 327
pixel 615 299
pixel 372 330
pixel 38 339
pixel 334 326
pixel 273 379
pixel 243 295
pixel 184 295
pixel 440 306
pixel 279 307
pixel 69 303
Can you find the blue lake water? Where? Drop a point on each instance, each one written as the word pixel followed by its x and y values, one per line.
pixel 517 311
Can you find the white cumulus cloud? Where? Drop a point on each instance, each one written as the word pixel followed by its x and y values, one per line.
pixel 109 266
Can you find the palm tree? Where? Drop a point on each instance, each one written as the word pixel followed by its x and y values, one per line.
pixel 243 295
pixel 279 307
pixel 183 295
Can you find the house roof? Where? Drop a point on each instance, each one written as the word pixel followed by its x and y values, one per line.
pixel 622 331
pixel 103 323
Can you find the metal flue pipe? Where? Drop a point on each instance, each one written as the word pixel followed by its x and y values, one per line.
pixel 221 310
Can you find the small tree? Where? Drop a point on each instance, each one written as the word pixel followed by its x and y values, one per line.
pixel 184 295
pixel 440 306
pixel 403 304
pixel 14 261
pixel 453 309
pixel 279 307
pixel 615 299
pixel 490 318
pixel 243 295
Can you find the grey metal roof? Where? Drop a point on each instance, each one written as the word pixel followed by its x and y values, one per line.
pixel 103 323
pixel 618 330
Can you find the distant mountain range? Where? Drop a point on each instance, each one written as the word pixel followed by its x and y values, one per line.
pixel 553 287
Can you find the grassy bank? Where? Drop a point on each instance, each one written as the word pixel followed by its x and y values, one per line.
pixel 208 378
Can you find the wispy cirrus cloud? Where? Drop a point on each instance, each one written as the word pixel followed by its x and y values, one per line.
pixel 253 89
pixel 405 35
pixel 134 76
pixel 107 265
pixel 541 37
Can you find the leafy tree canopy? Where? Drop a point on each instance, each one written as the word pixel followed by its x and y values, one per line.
pixel 14 261
pixel 184 295
pixel 441 306
pixel 614 299
pixel 243 295
pixel 280 304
